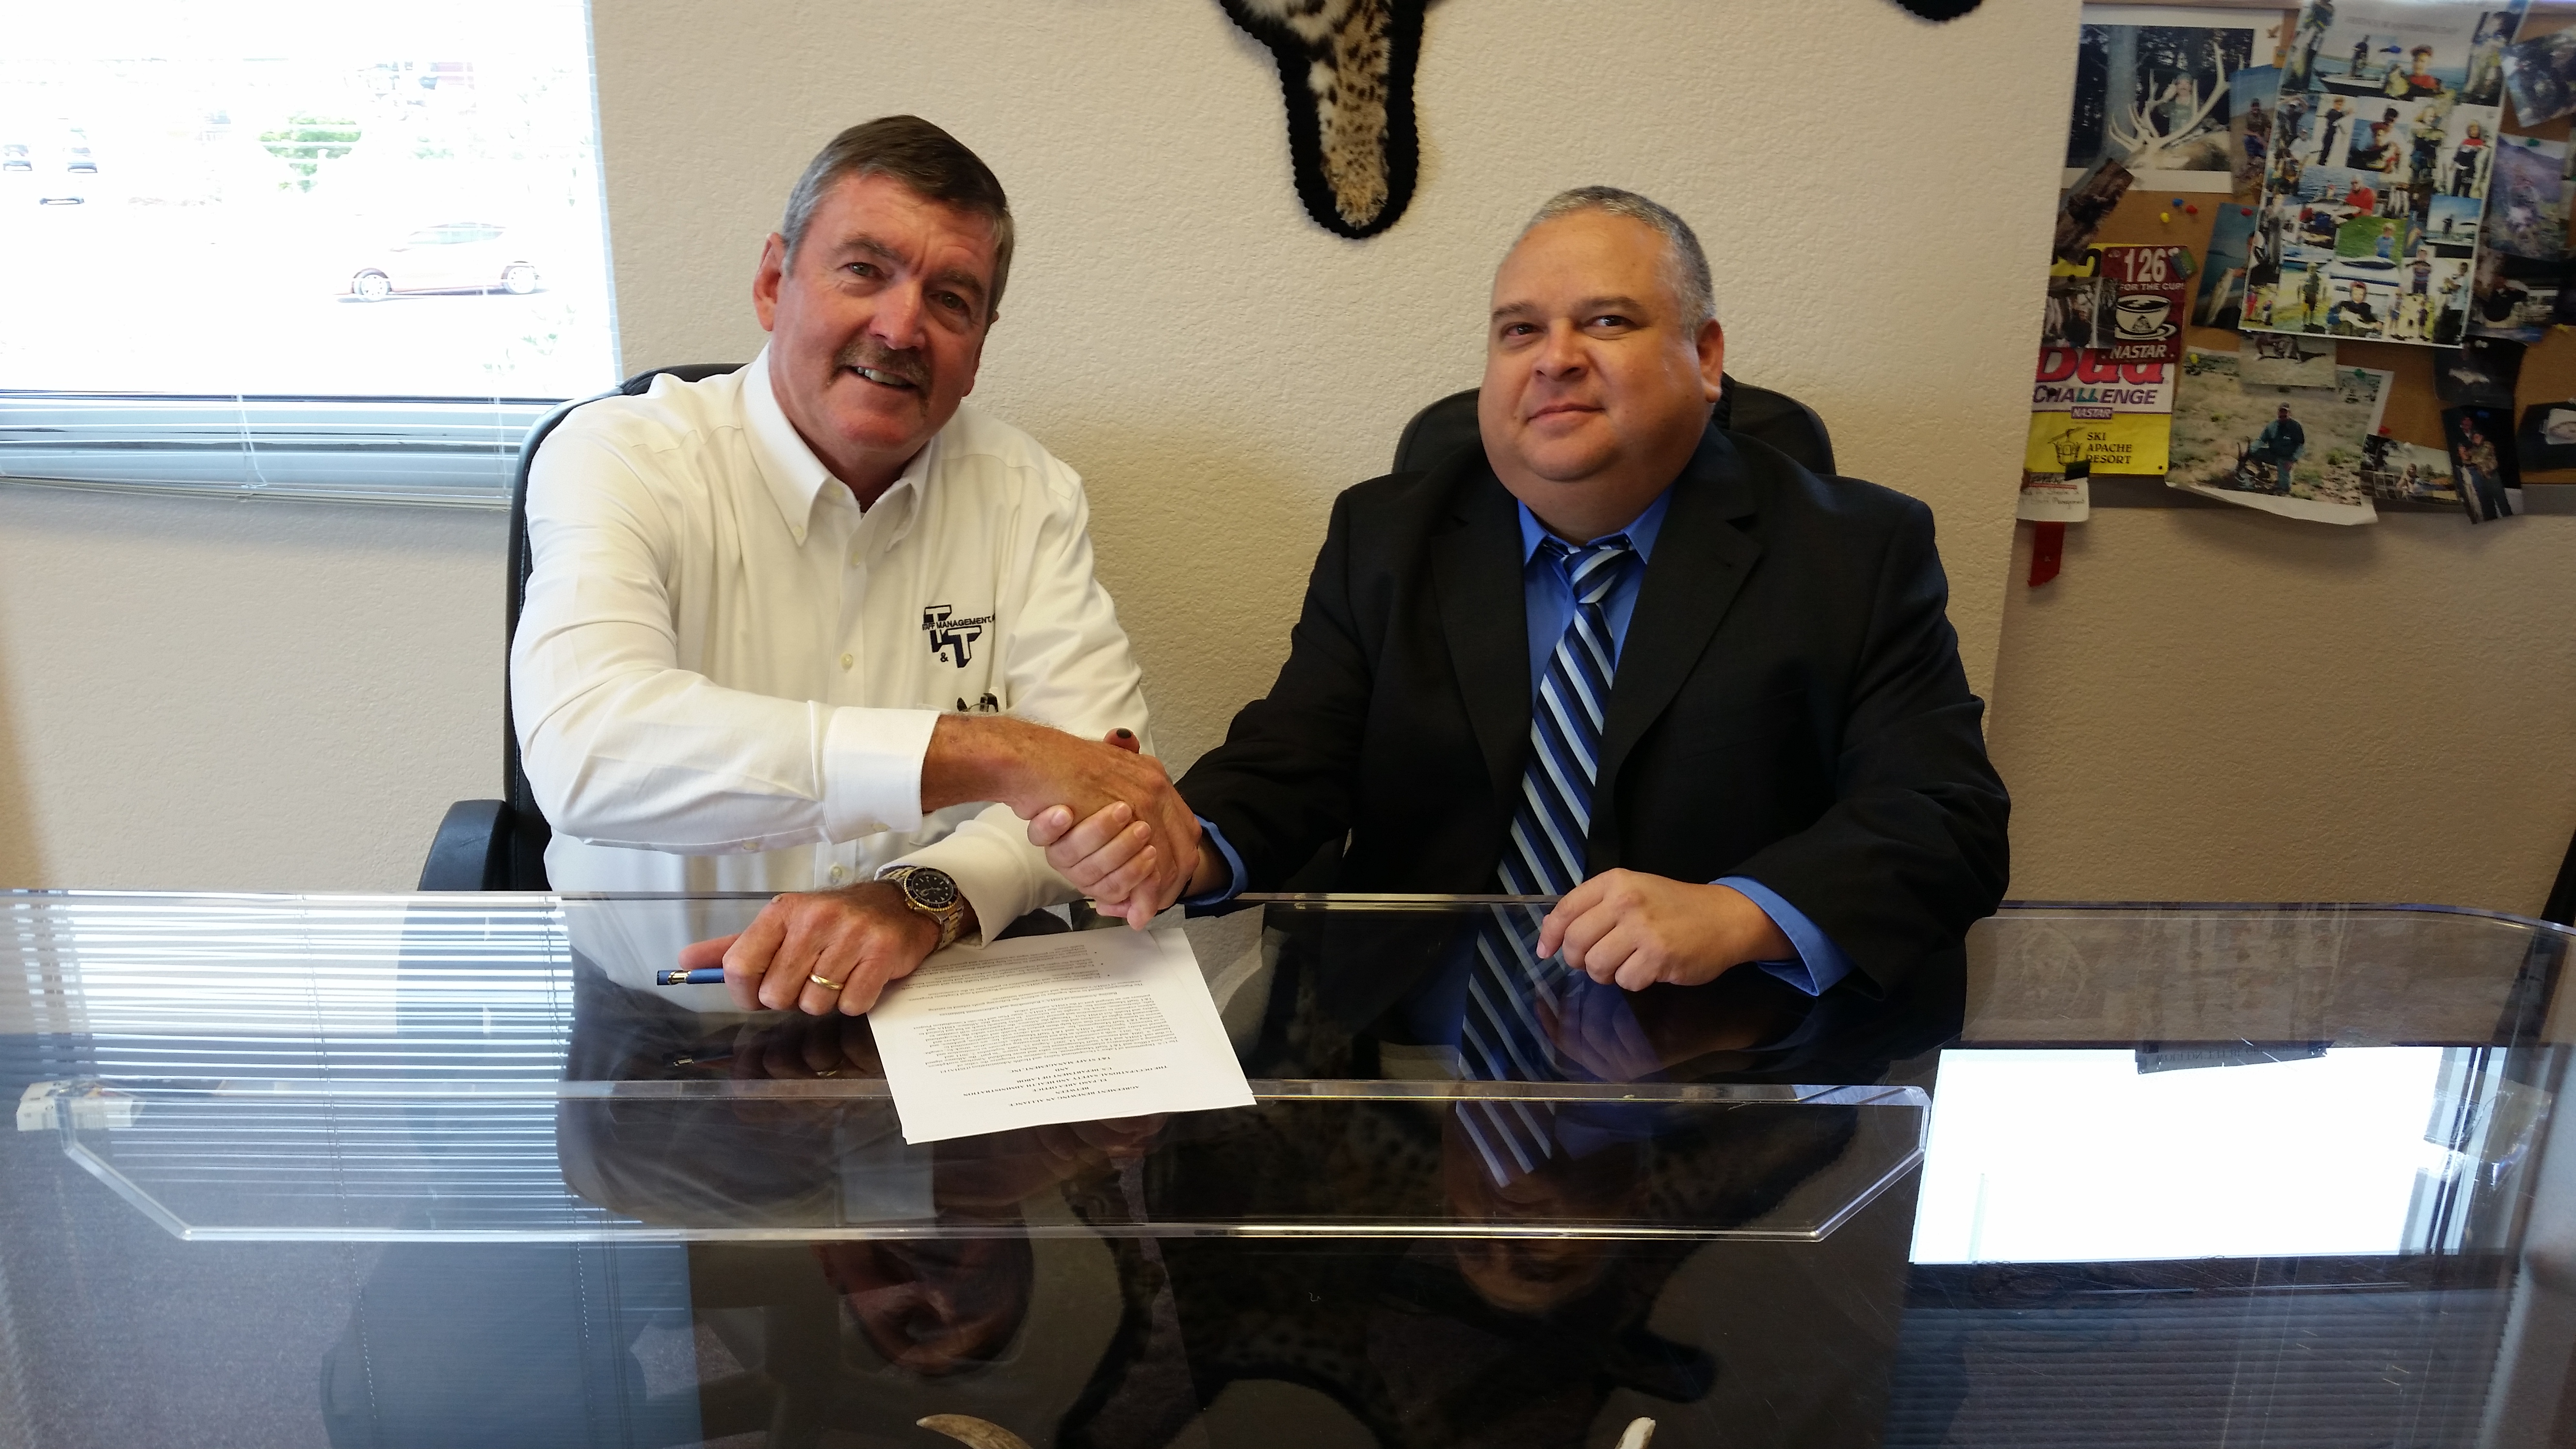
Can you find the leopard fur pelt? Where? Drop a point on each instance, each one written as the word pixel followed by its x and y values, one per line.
pixel 1347 69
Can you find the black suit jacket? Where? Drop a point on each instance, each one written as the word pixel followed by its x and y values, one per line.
pixel 1788 706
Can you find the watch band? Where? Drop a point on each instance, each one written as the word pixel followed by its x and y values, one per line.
pixel 932 892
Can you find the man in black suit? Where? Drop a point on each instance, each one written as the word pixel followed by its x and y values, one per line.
pixel 1785 766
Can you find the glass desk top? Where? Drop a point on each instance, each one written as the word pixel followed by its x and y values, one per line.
pixel 2224 1174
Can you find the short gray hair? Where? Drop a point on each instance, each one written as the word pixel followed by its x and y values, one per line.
pixel 1691 280
pixel 921 156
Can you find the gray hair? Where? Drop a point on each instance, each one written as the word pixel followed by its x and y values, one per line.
pixel 1691 281
pixel 921 156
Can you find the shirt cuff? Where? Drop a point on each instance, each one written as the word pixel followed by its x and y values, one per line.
pixel 871 770
pixel 1819 962
pixel 987 875
pixel 1234 882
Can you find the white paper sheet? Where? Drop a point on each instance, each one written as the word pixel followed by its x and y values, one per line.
pixel 1063 1028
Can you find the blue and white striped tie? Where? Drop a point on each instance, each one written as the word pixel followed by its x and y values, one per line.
pixel 1500 1037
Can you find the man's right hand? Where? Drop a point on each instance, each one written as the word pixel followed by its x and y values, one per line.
pixel 1107 856
pixel 1039 771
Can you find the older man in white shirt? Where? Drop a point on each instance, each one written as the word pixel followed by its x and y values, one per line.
pixel 818 628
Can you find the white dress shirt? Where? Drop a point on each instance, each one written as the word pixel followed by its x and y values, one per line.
pixel 725 674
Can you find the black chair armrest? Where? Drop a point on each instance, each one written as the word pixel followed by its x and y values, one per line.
pixel 472 850
pixel 2562 896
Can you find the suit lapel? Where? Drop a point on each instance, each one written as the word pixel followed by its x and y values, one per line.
pixel 1701 561
pixel 1476 576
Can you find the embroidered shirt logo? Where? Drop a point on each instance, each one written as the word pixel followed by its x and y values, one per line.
pixel 951 638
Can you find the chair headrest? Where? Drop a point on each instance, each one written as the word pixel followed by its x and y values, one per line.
pixel 1754 412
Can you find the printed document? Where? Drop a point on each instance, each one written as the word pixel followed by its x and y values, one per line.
pixel 1062 1028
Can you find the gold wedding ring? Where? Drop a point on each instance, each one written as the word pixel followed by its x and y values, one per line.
pixel 826 985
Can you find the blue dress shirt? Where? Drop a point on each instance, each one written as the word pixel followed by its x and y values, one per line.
pixel 1548 599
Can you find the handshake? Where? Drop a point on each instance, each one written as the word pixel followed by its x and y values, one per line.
pixel 1105 813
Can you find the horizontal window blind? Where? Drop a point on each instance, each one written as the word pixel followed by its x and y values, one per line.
pixel 444 452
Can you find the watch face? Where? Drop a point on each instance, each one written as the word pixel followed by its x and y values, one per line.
pixel 933 889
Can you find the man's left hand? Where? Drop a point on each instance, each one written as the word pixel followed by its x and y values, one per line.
pixel 1634 930
pixel 857 939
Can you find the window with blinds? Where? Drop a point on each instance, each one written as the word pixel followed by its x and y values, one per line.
pixel 289 247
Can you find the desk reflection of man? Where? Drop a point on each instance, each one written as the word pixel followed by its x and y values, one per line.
pixel 1548 1313
pixel 898 1280
pixel 938 1279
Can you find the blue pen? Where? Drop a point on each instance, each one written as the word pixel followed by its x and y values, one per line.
pixel 703 976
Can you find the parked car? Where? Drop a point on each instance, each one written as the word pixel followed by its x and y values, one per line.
pixel 14 157
pixel 78 159
pixel 453 256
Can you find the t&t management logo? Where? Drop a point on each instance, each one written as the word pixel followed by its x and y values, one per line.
pixel 951 637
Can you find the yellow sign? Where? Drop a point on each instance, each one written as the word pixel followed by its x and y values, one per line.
pixel 2127 443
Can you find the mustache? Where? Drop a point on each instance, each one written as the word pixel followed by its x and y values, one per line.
pixel 906 363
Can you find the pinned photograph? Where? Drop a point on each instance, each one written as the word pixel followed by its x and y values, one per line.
pixel 2516 298
pixel 2540 76
pixel 2286 359
pixel 2084 207
pixel 2074 317
pixel 2526 212
pixel 2153 91
pixel 2482 373
pixel 2482 460
pixel 2296 452
pixel 2548 438
pixel 2400 50
pixel 2221 300
pixel 2253 98
pixel 2395 472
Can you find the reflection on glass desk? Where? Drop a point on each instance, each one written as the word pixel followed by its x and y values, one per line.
pixel 446 1170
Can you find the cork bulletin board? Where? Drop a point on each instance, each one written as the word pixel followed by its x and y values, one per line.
pixel 2150 215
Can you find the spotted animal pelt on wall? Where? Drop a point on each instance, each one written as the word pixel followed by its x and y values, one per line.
pixel 1346 68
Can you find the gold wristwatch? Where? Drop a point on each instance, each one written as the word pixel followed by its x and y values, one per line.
pixel 933 892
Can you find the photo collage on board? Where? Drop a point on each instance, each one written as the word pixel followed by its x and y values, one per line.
pixel 2383 142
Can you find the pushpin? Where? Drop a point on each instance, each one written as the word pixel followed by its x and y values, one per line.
pixel 2177 201
pixel 2191 211
pixel 2164 216
pixel 2245 210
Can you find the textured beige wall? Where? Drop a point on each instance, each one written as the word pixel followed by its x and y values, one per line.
pixel 2212 704
pixel 199 694
pixel 1872 189
pixel 227 695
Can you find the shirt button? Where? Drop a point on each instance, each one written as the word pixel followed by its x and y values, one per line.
pixel 847 660
pixel 840 873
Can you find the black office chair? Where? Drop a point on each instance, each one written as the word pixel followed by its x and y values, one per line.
pixel 500 845
pixel 1757 413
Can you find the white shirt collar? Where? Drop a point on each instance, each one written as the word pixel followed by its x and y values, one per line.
pixel 794 475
